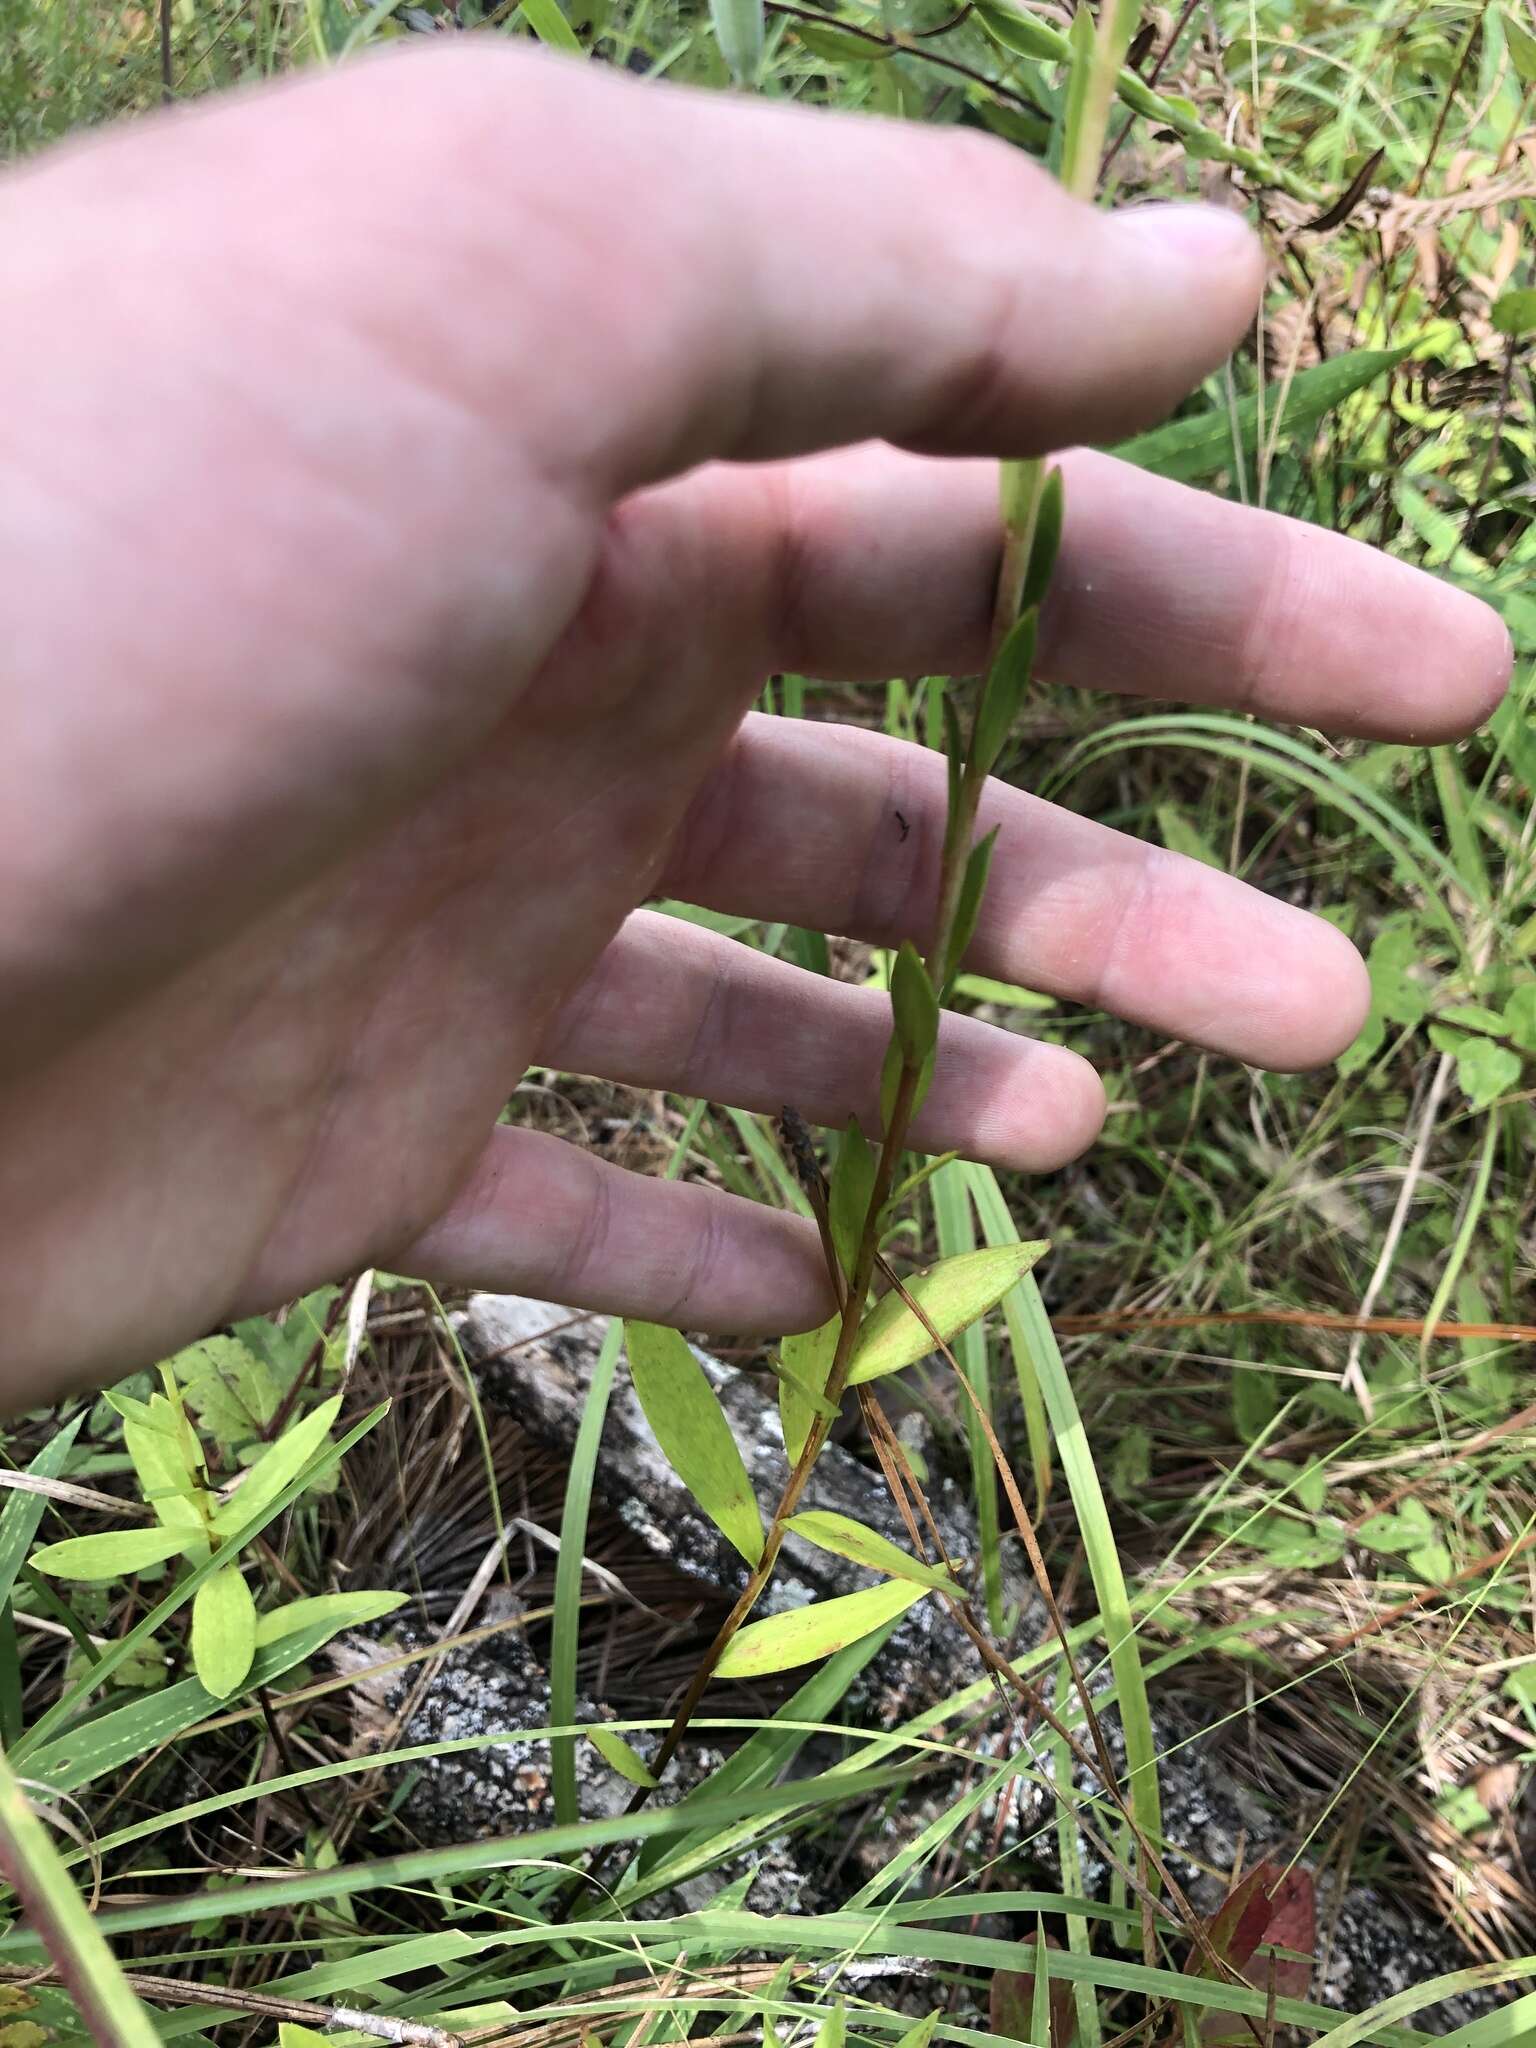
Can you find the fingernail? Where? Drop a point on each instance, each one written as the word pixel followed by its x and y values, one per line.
pixel 1196 238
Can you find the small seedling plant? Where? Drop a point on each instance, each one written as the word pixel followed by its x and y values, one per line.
pixel 222 1445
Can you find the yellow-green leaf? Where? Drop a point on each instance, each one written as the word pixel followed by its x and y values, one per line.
pixel 625 1760
pixel 833 2031
pixel 550 25
pixel 839 45
pixel 1515 312
pixel 1025 34
pixel 223 1632
pixel 166 1484
pixel 806 1361
pixel 117 1555
pixel 284 1461
pixel 952 1296
pixel 1522 49
pixel 690 1425
pixel 914 1004
pixel 845 1537
pixel 740 29
pixel 340 1610
pixel 805 1634
pixel 853 1182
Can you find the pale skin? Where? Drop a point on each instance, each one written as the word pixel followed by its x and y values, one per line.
pixel 407 478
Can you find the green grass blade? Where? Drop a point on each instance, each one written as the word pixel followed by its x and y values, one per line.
pixel 1454 1984
pixel 573 1546
pixel 61 1923
pixel 957 1233
pixel 118 1737
pixel 1196 449
pixel 23 1512
pixel 1082 1479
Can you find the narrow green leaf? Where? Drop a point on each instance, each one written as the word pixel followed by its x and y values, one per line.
pixel 223 1632
pixel 806 1361
pixel 1046 544
pixel 626 1760
pixel 689 1424
pixel 276 1467
pixel 55 1911
pixel 838 46
pixel 23 1512
pixel 952 1296
pixel 1022 33
pixel 1193 450
pixel 1033 1327
pixel 1083 37
pixel 892 1068
pixel 167 1486
pixel 334 1610
pixel 819 1404
pixel 565 1641
pixel 954 752
pixel 739 30
pixel 1007 680
pixel 1521 45
pixel 1515 312
pixel 973 887
pixel 853 1182
pixel 774 1995
pixel 955 1224
pixel 130 1408
pixel 845 1537
pixel 550 25
pixel 922 2034
pixel 804 1634
pixel 291 2034
pixel 833 2031
pixel 914 1004
pixel 123 1734
pixel 97 1560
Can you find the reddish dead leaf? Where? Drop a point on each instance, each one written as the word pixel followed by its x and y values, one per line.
pixel 1013 2003
pixel 1270 1909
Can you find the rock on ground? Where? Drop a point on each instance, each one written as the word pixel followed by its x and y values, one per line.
pixel 541 1381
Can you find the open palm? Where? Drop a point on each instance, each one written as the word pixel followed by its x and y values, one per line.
pixel 408 481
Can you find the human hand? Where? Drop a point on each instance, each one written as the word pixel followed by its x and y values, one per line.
pixel 408 478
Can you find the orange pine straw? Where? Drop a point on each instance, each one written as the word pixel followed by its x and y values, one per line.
pixel 1296 1318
